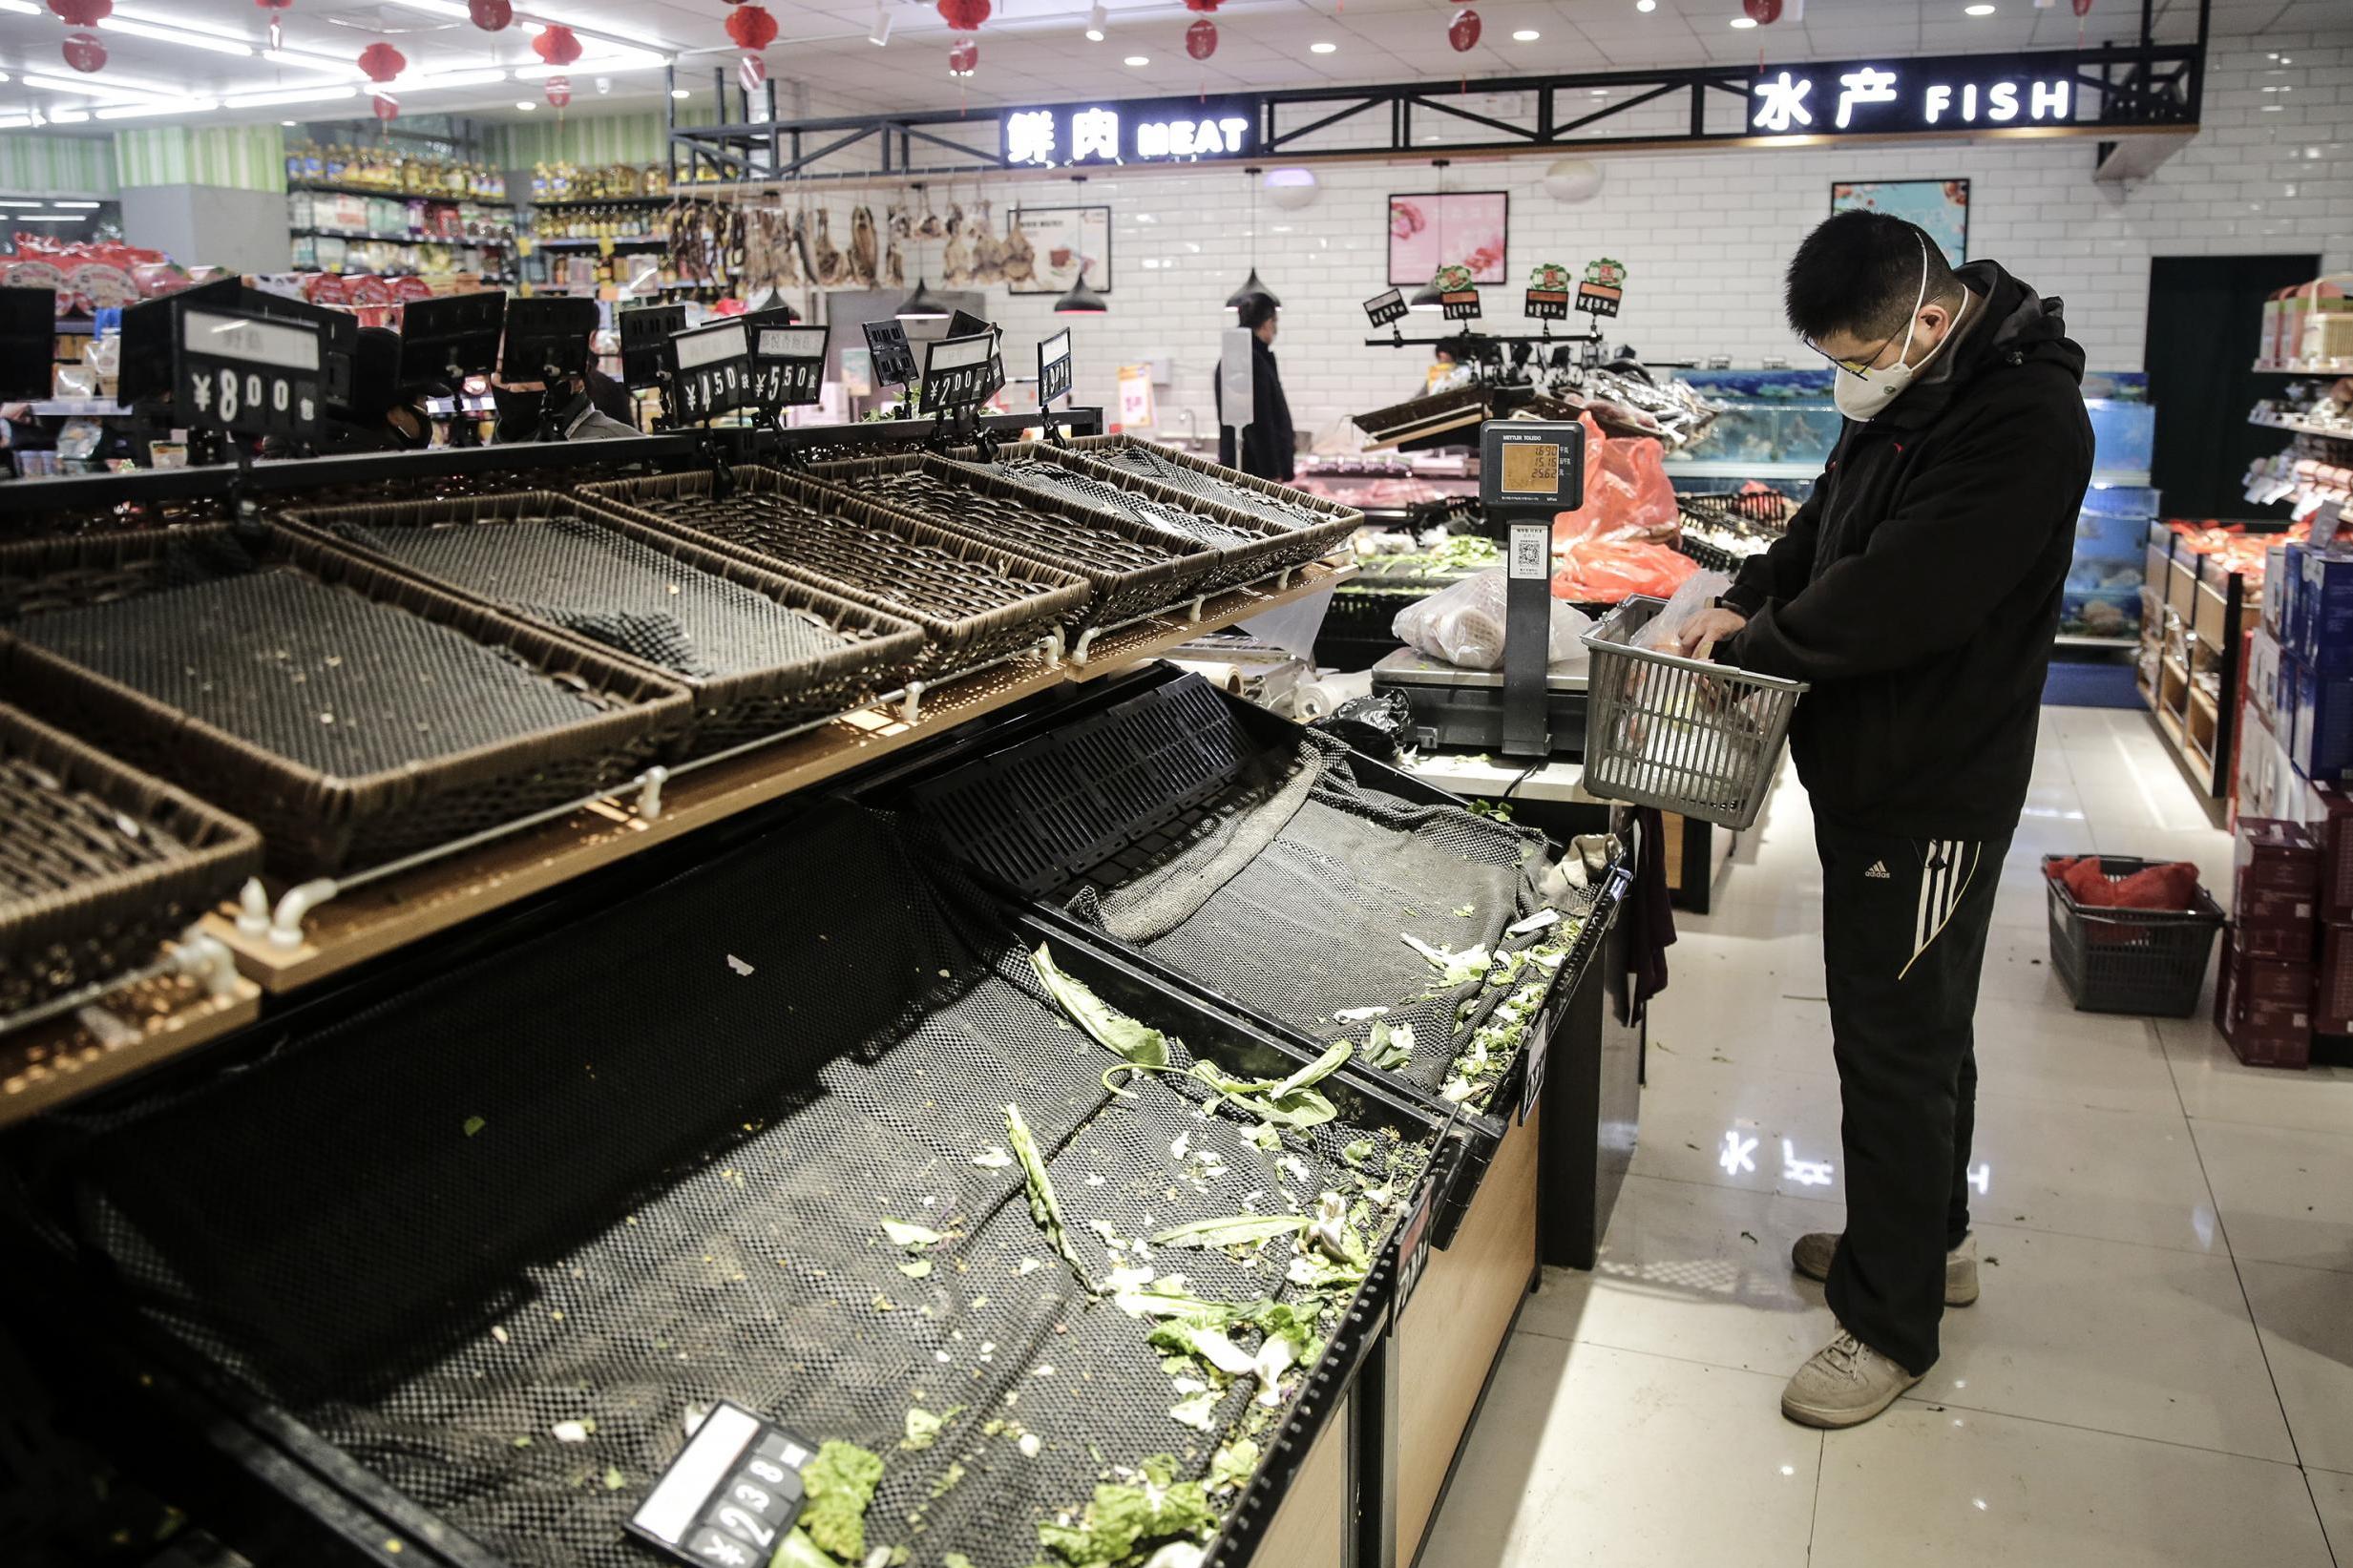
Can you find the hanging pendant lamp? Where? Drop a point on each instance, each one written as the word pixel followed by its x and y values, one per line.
pixel 922 304
pixel 1082 301
pixel 1252 288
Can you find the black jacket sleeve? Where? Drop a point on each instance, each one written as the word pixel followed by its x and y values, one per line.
pixel 1784 568
pixel 1964 535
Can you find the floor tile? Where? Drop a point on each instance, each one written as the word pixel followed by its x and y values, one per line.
pixel 2216 1085
pixel 1697 1272
pixel 1587 1454
pixel 2286 1194
pixel 2305 1316
pixel 2333 1495
pixel 1926 1488
pixel 2039 1052
pixel 2143 1341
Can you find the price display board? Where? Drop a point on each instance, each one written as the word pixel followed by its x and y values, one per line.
pixel 27 343
pixel 646 333
pixel 1547 304
pixel 711 370
pixel 1460 304
pixel 1053 369
pixel 787 364
pixel 449 337
pixel 961 372
pixel 247 375
pixel 730 1495
pixel 894 359
pixel 1385 307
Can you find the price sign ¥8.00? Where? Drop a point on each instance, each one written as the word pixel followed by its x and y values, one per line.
pixel 713 370
pixel 787 364
pixel 1053 369
pixel 248 375
pixel 961 372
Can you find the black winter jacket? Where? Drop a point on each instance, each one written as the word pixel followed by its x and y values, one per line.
pixel 1919 587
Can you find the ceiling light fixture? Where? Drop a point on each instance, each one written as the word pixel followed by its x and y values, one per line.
pixel 1427 297
pixel 525 105
pixel 133 110
pixel 192 24
pixel 1252 288
pixel 1744 23
pixel 285 122
pixel 92 205
pixel 20 8
pixel 1139 59
pixel 433 7
pixel 1082 301
pixel 69 116
pixel 89 88
pixel 15 122
pixel 636 59
pixel 168 35
pixel 1526 35
pixel 292 94
pixel 1096 20
pixel 1645 7
pixel 681 92
pixel 922 304
pixel 455 78
pixel 1323 49
pixel 1977 11
pixel 295 60
pixel 879 35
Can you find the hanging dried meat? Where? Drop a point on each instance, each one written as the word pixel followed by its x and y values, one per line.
pixel 862 250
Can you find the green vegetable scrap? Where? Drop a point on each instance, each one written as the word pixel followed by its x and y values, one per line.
pixel 1045 1207
pixel 1389 1048
pixel 1291 1101
pixel 955 1559
pixel 1455 969
pixel 903 1234
pixel 1197 1411
pixel 1126 1518
pixel 840 1483
pixel 613 1479
pixel 474 1124
pixel 1480 1064
pixel 1359 1152
pixel 1231 1465
pixel 1233 1230
pixel 915 1268
pixel 1111 1029
pixel 1495 811
pixel 923 1427
pixel 795 1549
pixel 1462 912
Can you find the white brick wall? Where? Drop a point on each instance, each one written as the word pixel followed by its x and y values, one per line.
pixel 1705 236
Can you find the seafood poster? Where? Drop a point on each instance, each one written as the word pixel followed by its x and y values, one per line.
pixel 1061 241
pixel 1941 206
pixel 1460 227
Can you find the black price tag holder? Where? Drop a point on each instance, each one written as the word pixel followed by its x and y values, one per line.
pixel 445 340
pixel 1528 469
pixel 894 357
pixel 730 1495
pixel 959 374
pixel 1461 305
pixel 1054 379
pixel 547 342
pixel 1599 299
pixel 249 374
pixel 1547 304
pixel 28 344
pixel 788 362
pixel 710 367
pixel 646 333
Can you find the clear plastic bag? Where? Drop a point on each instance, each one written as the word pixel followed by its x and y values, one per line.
pixel 1698 592
pixel 1463 625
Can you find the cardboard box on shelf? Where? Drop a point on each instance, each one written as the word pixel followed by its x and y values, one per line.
pixel 2258 790
pixel 2323 745
pixel 2274 856
pixel 2332 988
pixel 2262 675
pixel 2264 1008
pixel 2332 831
pixel 2324 610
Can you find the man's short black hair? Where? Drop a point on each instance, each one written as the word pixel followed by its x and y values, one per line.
pixel 1858 273
pixel 1256 310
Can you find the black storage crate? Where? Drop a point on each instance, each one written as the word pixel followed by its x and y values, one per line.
pixel 2149 962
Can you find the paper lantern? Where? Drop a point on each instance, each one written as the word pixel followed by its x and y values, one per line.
pixel 1289 189
pixel 82 13
pixel 386 106
pixel 491 15
pixel 83 51
pixel 1201 39
pixel 1464 30
pixel 559 91
pixel 964 15
pixel 382 62
pixel 557 45
pixel 2083 7
pixel 1203 6
pixel 962 57
pixel 1573 179
pixel 275 8
pixel 751 28
pixel 1763 12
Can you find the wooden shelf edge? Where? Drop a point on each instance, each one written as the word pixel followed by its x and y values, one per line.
pixel 51 1063
pixel 1131 645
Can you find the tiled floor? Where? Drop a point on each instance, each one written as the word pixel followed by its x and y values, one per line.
pixel 2160 1371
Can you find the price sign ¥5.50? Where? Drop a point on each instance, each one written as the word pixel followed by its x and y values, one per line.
pixel 961 372
pixel 713 370
pixel 787 364
pixel 247 375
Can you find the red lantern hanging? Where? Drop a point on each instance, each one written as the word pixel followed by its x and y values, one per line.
pixel 1763 12
pixel 276 9
pixel 2083 7
pixel 1464 30
pixel 962 57
pixel 491 15
pixel 752 73
pixel 751 28
pixel 82 13
pixel 557 45
pixel 559 91
pixel 1201 39
pixel 1205 7
pixel 964 15
pixel 83 51
pixel 386 107
pixel 382 62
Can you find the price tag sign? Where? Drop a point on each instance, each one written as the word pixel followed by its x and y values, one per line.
pixel 895 360
pixel 961 372
pixel 787 364
pixel 1539 1058
pixel 646 333
pixel 1531 550
pixel 249 376
pixel 1385 307
pixel 1414 1243
pixel 1603 288
pixel 711 368
pixel 1459 305
pixel 1547 304
pixel 730 1495
pixel 1053 369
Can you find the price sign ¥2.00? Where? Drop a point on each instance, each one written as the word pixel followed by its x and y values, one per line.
pixel 713 370
pixel 787 364
pixel 247 375
pixel 961 372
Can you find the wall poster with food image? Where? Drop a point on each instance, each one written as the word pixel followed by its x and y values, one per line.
pixel 1062 239
pixel 1940 207
pixel 1464 228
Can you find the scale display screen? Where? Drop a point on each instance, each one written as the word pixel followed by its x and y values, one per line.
pixel 1531 467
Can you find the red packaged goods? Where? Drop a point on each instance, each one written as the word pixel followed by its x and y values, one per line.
pixel 2333 834
pixel 2264 1009
pixel 2170 887
pixel 2332 991
pixel 2275 857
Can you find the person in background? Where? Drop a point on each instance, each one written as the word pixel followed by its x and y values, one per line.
pixel 1918 590
pixel 1269 447
pixel 376 418
pixel 599 409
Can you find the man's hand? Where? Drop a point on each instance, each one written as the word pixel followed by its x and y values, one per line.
pixel 1705 630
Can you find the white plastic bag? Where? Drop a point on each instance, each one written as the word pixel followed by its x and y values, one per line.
pixel 1463 625
pixel 1700 592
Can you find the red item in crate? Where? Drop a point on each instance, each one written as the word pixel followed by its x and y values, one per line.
pixel 2172 886
pixel 2265 1010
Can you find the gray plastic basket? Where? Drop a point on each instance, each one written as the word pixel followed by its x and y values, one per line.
pixel 1681 734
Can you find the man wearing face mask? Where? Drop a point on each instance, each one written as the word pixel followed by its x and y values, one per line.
pixel 1918 589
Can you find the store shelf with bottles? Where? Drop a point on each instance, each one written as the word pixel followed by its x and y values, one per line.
pixel 465 242
pixel 568 203
pixel 615 241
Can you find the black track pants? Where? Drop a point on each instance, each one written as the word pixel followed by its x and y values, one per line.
pixel 1904 938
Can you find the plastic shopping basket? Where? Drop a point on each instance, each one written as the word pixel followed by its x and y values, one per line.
pixel 1681 734
pixel 2148 962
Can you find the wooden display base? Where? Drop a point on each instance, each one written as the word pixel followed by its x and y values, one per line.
pixel 1312 1528
pixel 376 916
pixel 52 1062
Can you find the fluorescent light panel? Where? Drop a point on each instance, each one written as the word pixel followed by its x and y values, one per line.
pixel 295 95
pixel 169 36
pixel 90 86
pixel 173 19
pixel 134 111
pixel 455 78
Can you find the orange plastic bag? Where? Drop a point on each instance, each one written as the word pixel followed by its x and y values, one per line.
pixel 1625 489
pixel 1603 566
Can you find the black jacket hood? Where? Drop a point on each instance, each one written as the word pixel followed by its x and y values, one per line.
pixel 2027 328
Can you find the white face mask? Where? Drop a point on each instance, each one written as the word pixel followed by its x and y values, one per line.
pixel 1866 394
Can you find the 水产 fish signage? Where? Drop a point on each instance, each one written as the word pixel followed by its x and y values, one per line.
pixel 1935 96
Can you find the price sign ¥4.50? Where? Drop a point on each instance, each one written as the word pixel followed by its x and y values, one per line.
pixel 713 370
pixel 248 375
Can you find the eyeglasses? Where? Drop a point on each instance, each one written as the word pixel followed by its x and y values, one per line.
pixel 1856 367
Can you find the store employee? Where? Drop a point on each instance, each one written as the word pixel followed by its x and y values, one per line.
pixel 1918 589
pixel 1267 444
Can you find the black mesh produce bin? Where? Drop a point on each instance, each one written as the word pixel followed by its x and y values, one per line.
pixel 99 864
pixel 761 651
pixel 1133 569
pixel 352 713
pixel 976 604
pixel 495 1239
pixel 1284 504
pixel 2151 962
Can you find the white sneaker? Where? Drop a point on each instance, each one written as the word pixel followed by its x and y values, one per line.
pixel 1812 1254
pixel 1846 1384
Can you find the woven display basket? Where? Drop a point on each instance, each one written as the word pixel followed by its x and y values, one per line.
pixel 99 864
pixel 974 603
pixel 731 708
pixel 1284 504
pixel 316 820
